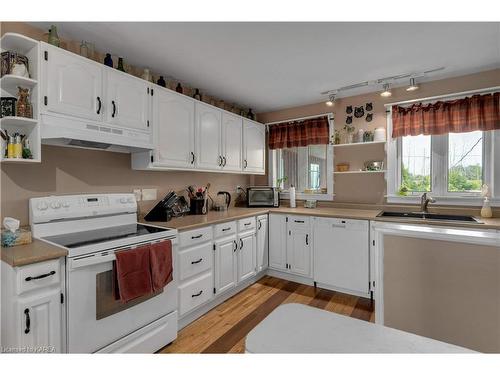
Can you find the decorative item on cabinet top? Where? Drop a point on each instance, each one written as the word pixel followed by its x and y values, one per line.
pixel 23 107
pixel 108 61
pixel 15 63
pixel 53 37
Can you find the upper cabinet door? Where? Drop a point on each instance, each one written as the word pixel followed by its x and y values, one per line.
pixel 254 139
pixel 173 119
pixel 72 84
pixel 127 101
pixel 232 141
pixel 208 137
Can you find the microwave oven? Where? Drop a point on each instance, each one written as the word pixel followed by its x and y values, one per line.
pixel 262 196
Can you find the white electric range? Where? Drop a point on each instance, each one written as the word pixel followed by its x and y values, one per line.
pixel 92 227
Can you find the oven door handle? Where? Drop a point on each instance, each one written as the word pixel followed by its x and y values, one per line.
pixel 90 260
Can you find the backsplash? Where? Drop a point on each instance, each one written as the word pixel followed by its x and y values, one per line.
pixel 76 171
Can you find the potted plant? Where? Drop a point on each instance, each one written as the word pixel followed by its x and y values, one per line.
pixel 280 182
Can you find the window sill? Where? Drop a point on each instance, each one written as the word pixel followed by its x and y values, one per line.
pixel 304 196
pixel 444 200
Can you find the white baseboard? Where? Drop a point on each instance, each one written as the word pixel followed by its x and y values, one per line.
pixel 290 277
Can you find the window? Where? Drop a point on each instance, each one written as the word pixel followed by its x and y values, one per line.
pixel 416 164
pixel 451 167
pixel 465 162
pixel 303 167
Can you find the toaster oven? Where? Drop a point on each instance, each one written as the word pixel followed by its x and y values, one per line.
pixel 262 196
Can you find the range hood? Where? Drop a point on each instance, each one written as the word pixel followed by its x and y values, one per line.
pixel 71 132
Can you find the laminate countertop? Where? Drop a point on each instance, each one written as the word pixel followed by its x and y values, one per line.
pixel 189 222
pixel 37 251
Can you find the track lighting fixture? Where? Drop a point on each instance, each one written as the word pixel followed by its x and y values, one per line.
pixel 413 85
pixel 331 100
pixel 387 91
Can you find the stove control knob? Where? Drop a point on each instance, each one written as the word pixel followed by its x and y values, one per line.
pixel 42 206
pixel 66 204
pixel 123 200
pixel 55 205
pixel 130 200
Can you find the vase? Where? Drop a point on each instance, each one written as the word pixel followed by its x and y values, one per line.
pixel 108 61
pixel 250 114
pixel 179 88
pixel 120 64
pixel 197 94
pixel 161 82
pixel 53 37
pixel 146 74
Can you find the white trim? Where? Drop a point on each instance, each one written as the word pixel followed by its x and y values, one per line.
pixel 456 95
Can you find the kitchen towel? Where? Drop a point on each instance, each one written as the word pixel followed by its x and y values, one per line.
pixel 133 273
pixel 161 264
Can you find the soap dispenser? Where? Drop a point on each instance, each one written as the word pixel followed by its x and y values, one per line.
pixel 486 209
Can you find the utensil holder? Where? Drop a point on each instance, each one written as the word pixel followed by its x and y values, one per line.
pixel 198 206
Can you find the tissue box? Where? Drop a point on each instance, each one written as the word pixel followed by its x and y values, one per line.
pixel 22 236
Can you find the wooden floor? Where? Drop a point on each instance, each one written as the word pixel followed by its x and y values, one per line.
pixel 224 328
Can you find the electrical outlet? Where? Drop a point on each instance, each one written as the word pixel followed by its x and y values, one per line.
pixel 149 194
pixel 138 194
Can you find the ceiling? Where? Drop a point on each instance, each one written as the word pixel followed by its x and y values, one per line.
pixel 269 66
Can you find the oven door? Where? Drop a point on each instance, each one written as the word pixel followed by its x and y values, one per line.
pixel 95 317
pixel 260 197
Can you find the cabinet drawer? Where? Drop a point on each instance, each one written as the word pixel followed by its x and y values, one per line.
pixel 195 260
pixel 195 293
pixel 299 221
pixel 225 229
pixel 38 275
pixel 196 236
pixel 246 224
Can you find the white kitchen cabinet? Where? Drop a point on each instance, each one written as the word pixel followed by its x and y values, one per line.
pixel 341 253
pixel 254 147
pixel 127 100
pixel 246 256
pixel 32 306
pixel 72 85
pixel 208 137
pixel 232 142
pixel 298 245
pixel 173 122
pixel 225 264
pixel 277 242
pixel 39 319
pixel 262 243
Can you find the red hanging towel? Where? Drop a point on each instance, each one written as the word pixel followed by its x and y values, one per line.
pixel 161 264
pixel 133 273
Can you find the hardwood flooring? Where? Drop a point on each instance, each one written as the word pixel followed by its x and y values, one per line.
pixel 224 328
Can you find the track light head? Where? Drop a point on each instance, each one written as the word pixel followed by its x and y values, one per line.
pixel 413 85
pixel 387 91
pixel 331 100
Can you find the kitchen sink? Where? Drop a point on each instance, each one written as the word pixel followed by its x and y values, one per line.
pixel 430 216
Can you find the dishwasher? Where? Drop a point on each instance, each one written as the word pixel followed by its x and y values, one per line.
pixel 341 255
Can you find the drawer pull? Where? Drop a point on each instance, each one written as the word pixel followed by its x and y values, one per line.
pixel 235 246
pixel 195 237
pixel 29 278
pixel 247 224
pixel 197 294
pixel 241 243
pixel 299 221
pixel 260 224
pixel 28 321
pixel 197 261
pixel 224 229
pixel 307 239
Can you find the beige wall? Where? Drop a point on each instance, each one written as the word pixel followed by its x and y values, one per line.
pixel 443 290
pixel 372 188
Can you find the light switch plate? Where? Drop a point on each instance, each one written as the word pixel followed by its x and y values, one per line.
pixel 138 194
pixel 149 194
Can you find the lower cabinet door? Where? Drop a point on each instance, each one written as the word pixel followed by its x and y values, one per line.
pixel 299 252
pixel 225 264
pixel 262 243
pixel 196 292
pixel 277 242
pixel 39 322
pixel 246 257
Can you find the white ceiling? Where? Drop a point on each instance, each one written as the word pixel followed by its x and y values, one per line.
pixel 269 66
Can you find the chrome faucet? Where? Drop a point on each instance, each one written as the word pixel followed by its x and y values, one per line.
pixel 424 202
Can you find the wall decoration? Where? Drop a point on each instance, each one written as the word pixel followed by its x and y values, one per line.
pixel 108 61
pixel 348 109
pixel 348 120
pixel 369 107
pixel 8 106
pixel 369 117
pixel 359 112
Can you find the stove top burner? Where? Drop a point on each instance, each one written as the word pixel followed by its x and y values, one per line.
pixel 85 238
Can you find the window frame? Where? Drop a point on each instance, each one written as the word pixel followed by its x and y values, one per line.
pixel 273 168
pixel 439 167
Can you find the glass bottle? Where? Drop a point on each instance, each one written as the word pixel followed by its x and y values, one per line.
pixel 161 82
pixel 197 94
pixel 179 88
pixel 108 61
pixel 53 37
pixel 120 64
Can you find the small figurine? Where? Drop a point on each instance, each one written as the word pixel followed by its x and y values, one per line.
pixel 53 37
pixel 108 61
pixel 161 82
pixel 179 88
pixel 23 108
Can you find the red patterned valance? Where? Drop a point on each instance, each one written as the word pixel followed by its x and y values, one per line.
pixel 478 112
pixel 299 133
